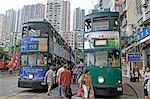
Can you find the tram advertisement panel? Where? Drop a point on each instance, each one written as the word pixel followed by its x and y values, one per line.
pixel 33 44
pixel 101 39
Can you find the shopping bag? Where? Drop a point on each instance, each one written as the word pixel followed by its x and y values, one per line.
pixel 79 92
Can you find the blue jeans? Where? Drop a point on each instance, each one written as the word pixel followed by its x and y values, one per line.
pixel 59 89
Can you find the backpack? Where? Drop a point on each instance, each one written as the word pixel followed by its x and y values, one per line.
pixel 87 80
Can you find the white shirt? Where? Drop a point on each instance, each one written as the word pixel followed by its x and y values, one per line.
pixel 60 70
pixel 146 75
pixel 148 86
pixel 88 45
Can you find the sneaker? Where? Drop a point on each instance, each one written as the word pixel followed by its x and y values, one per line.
pixel 48 93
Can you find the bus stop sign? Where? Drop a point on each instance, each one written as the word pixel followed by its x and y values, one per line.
pixel 134 57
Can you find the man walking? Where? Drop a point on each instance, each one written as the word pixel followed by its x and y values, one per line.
pixel 60 70
pixel 50 78
pixel 65 81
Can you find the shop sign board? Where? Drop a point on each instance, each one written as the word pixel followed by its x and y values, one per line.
pixel 134 57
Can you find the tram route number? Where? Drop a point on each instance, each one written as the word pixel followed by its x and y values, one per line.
pixel 32 47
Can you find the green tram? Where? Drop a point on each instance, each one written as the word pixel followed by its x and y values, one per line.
pixel 102 52
pixel 41 45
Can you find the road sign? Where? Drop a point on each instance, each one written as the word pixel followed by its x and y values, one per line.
pixel 134 57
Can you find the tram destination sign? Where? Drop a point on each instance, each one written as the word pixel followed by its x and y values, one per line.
pixel 134 57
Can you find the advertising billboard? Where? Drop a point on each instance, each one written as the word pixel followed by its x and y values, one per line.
pixel 101 39
pixel 33 44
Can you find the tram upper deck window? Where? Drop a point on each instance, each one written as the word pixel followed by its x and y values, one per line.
pixel 100 25
pixel 89 59
pixel 113 58
pixel 38 31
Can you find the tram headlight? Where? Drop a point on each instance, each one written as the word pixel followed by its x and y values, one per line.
pixel 119 81
pixel 101 79
pixel 30 76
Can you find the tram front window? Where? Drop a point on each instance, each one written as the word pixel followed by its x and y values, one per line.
pixel 101 58
pixel 24 59
pixel 42 59
pixel 89 59
pixel 113 59
pixel 32 59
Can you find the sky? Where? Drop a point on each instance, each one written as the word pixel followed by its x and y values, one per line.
pixel 18 4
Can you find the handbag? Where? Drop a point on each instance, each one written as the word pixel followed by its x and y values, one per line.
pixel 79 92
pixel 69 93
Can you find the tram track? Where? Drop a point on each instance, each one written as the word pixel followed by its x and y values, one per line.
pixel 129 90
pixel 30 94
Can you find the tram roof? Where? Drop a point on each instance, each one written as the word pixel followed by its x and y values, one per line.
pixel 96 14
pixel 37 20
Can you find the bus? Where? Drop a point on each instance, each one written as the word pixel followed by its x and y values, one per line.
pixel 102 52
pixel 41 46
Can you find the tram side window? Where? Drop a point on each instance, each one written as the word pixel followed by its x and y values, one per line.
pixel 101 58
pixel 32 59
pixel 24 59
pixel 113 59
pixel 89 59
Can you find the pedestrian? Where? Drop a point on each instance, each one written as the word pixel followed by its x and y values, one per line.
pixel 136 73
pixel 74 75
pixel 65 81
pixel 145 82
pixel 85 83
pixel 50 78
pixel 60 70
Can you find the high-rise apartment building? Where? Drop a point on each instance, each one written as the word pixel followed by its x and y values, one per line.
pixel 28 12
pixel 116 5
pixel 54 13
pixel 19 21
pixel 65 26
pixel 33 12
pixel 69 37
pixel 58 13
pixel 11 19
pixel 78 19
pixel 3 25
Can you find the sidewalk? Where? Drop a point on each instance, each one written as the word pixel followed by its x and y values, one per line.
pixel 7 73
pixel 136 85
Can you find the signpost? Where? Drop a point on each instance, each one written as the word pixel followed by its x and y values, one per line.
pixel 134 57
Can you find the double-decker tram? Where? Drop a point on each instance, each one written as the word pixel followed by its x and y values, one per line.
pixel 102 52
pixel 41 46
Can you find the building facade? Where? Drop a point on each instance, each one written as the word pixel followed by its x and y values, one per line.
pixel 3 25
pixel 36 11
pixel 116 5
pixel 11 19
pixel 65 26
pixel 69 37
pixel 78 19
pixel 58 13
pixel 54 13
pixel 138 30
